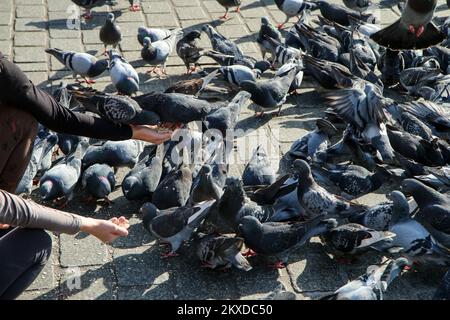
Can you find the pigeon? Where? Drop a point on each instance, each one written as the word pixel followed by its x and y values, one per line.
pixel 232 206
pixel 276 240
pixel 434 209
pixel 208 184
pixel 221 251
pixel 99 181
pixel 82 64
pixel 298 79
pixel 236 74
pixel 156 53
pixel 221 44
pixel 227 4
pixel 267 195
pixel 391 67
pixel 88 5
pixel 113 153
pixel 176 225
pixel 281 53
pixel 41 148
pixel 433 114
pixel 176 107
pixel 60 181
pixel 123 76
pixel 355 180
pixel 110 33
pixel 67 143
pixel 141 181
pixel 153 34
pixel 173 190
pixel 316 200
pixel 267 29
pixel 313 141
pixel 292 8
pixel 225 118
pixel 358 5
pixel 193 86
pixel 414 240
pixel 189 51
pixel 411 124
pixel 377 217
pixel 258 170
pixel 231 60
pixel 341 14
pixel 269 94
pixel 443 292
pixel 371 285
pixel 353 238
pixel 414 30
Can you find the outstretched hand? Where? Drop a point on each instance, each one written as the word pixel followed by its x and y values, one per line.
pixel 150 134
pixel 106 230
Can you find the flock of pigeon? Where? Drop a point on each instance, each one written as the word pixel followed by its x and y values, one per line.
pixel 379 139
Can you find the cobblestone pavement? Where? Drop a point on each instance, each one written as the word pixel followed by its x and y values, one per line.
pixel 131 268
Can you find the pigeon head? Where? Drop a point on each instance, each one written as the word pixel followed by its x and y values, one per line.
pixel 262 66
pixel 208 30
pixel 149 212
pixel 422 6
pixel 100 187
pixel 147 42
pixel 410 186
pixel 265 21
pixel 133 188
pixel 401 207
pixel 302 168
pixel 192 35
pixel 248 225
pixel 110 17
pixel 205 170
pixel 233 187
pixel 48 190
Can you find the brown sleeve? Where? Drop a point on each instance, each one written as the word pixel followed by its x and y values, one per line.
pixel 16 211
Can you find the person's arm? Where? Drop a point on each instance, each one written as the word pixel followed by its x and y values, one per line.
pixel 17 212
pixel 18 92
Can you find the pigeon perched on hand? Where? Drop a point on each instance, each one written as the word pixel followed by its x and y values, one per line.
pixel 123 76
pixel 227 4
pixel 99 181
pixel 221 252
pixel 176 225
pixel 157 53
pixel 189 51
pixel 276 240
pixel 82 64
pixel 414 30
pixel 110 33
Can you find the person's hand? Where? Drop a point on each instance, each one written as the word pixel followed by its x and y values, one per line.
pixel 171 125
pixel 106 230
pixel 150 134
pixel 4 226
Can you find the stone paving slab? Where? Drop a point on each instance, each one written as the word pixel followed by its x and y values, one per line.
pixel 131 268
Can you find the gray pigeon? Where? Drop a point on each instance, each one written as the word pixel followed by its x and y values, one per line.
pixel 176 225
pixel 221 252
pixel 220 43
pixel 41 149
pixel 230 60
pixel 236 74
pixel 173 191
pixel 414 30
pixel 316 200
pixel 82 64
pixel 208 184
pixel 276 240
pixel 123 76
pixel 141 181
pixel 377 217
pixel 99 181
pixel 258 170
pixel 443 292
pixel 341 14
pixel 293 8
pixel 314 141
pixel 269 94
pixel 110 33
pixel 281 54
pixel 358 5
pixel 298 79
pixel 88 5
pixel 153 33
pixel 267 29
pixel 434 209
pixel 60 181
pixel 114 153
pixel 227 4
pixel 371 285
pixel 157 53
pixel 189 51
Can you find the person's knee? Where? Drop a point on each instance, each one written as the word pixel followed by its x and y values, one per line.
pixel 41 241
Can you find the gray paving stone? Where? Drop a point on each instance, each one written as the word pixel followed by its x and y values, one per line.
pixel 58 5
pixel 5 32
pixel 5 18
pixel 33 67
pixel 29 2
pixel 186 3
pixel 130 17
pixel 213 7
pixel 73 45
pixel 129 29
pixel 156 7
pixel 6 6
pixel 88 283
pixel 39 79
pixel 138 236
pixel 156 20
pixel 64 34
pixel 190 13
pixel 140 266
pixel 30 12
pixel 39 295
pixel 152 292
pixel 30 24
pixel 29 54
pixel 91 37
pixel 23 39
pixel 5 47
pixel 82 250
